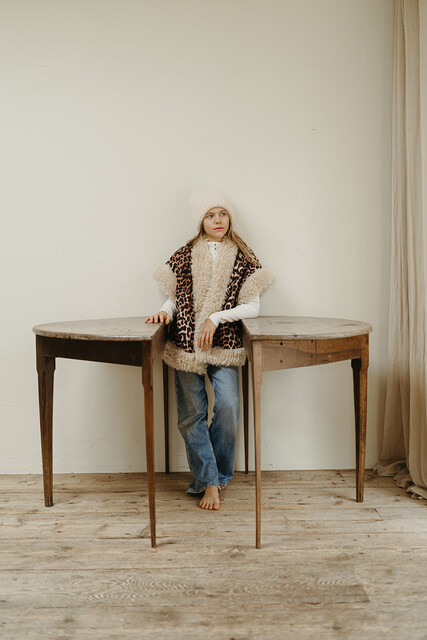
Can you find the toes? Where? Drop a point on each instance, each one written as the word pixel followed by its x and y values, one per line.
pixel 210 502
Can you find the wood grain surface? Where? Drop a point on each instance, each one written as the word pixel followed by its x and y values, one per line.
pixel 301 327
pixel 103 329
pixel 328 568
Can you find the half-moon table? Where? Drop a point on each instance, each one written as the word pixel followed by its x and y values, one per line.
pixel 271 342
pixel 114 340
pixel 285 342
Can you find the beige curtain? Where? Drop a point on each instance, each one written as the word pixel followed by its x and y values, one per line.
pixel 404 452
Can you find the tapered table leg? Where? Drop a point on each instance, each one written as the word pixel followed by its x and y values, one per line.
pixel 45 371
pixel 166 413
pixel 256 392
pixel 147 381
pixel 360 387
pixel 245 389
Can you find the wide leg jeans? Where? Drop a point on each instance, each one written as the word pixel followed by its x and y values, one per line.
pixel 210 449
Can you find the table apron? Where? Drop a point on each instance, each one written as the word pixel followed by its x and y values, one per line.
pixel 127 352
pixel 289 354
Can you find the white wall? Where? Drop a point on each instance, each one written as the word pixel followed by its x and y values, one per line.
pixel 112 111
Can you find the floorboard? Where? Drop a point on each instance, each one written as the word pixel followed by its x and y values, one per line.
pixel 329 568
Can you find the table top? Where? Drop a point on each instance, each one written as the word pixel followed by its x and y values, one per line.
pixel 117 329
pixel 303 328
pixel 261 328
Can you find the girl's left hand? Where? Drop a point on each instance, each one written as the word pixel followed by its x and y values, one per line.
pixel 206 335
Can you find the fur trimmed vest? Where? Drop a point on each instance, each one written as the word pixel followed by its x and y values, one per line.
pixel 201 288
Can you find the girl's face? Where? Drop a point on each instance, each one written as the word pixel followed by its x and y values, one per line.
pixel 216 223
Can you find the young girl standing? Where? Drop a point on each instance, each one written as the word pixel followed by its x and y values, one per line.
pixel 212 282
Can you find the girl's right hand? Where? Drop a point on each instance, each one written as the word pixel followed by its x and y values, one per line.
pixel 162 316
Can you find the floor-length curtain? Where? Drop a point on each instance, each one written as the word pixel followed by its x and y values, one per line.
pixel 404 451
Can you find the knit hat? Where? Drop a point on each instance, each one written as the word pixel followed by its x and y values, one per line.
pixel 206 198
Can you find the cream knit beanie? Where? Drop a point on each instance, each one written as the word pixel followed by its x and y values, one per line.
pixel 204 199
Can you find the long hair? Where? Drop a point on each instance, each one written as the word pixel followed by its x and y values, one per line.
pixel 234 237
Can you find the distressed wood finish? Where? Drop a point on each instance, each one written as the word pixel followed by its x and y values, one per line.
pixel 45 370
pixel 303 328
pixel 328 569
pixel 166 413
pixel 256 362
pixel 245 390
pixel 126 341
pixel 360 386
pixel 286 342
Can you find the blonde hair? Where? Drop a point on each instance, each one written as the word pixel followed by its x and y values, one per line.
pixel 234 237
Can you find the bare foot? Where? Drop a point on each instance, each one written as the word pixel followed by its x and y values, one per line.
pixel 223 486
pixel 211 499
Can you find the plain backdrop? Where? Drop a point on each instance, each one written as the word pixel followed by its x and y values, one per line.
pixel 112 112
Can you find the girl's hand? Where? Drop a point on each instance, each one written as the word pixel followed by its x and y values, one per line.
pixel 162 316
pixel 206 335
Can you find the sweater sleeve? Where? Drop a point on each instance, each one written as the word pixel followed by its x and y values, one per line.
pixel 169 306
pixel 248 310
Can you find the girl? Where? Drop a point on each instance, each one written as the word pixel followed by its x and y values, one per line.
pixel 213 282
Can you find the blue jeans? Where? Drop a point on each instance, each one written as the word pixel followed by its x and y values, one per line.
pixel 210 450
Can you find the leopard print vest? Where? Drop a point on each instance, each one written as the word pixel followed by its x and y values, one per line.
pixel 200 288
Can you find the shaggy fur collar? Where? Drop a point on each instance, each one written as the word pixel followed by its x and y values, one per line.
pixel 210 284
pixel 210 281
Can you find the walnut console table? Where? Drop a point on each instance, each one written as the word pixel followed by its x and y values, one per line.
pixel 115 340
pixel 285 342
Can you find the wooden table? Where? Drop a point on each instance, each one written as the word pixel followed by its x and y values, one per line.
pixel 285 342
pixel 271 342
pixel 113 340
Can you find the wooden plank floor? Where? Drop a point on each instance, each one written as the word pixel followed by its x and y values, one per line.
pixel 329 568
